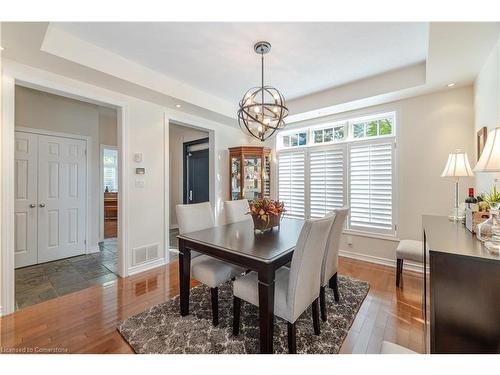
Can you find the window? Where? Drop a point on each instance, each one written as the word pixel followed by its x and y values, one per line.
pixel 326 171
pixel 327 135
pixel 370 193
pixel 291 181
pixel 294 140
pixel 358 172
pixel 372 128
pixel 110 169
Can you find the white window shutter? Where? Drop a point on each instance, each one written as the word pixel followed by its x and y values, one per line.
pixel 371 187
pixel 291 182
pixel 326 173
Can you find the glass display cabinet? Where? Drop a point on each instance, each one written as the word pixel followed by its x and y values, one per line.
pixel 250 172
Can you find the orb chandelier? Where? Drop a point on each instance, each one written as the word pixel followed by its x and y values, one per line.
pixel 262 110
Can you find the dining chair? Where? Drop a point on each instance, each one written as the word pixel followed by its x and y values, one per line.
pixel 330 264
pixel 297 287
pixel 206 269
pixel 236 211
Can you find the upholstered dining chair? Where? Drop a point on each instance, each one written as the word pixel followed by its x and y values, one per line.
pixel 206 269
pixel 236 211
pixel 331 259
pixel 297 287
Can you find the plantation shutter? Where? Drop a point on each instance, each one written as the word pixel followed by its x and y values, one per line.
pixel 326 173
pixel 291 182
pixel 370 171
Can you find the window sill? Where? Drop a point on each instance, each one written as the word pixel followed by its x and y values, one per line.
pixel 378 236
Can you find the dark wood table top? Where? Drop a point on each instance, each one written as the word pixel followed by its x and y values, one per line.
pixel 445 236
pixel 240 238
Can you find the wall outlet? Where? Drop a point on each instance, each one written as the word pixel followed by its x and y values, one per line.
pixel 349 240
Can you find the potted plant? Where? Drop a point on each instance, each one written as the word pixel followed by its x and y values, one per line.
pixel 266 213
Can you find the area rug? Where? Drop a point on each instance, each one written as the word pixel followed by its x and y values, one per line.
pixel 161 329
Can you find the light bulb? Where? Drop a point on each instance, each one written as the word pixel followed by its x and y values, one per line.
pixel 267 121
pixel 275 109
pixel 259 128
pixel 256 109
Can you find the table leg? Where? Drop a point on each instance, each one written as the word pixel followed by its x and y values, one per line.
pixel 184 276
pixel 266 310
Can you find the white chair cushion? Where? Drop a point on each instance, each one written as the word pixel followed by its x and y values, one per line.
pixel 410 250
pixel 390 348
pixel 247 289
pixel 213 272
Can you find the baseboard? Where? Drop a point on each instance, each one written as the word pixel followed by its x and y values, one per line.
pixel 146 266
pixel 410 266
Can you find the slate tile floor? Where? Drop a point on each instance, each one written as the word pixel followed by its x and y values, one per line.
pixel 41 282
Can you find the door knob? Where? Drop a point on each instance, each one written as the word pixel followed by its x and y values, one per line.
pixel 32 205
pixel 42 205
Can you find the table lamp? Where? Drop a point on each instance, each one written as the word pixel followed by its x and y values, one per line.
pixel 489 161
pixel 457 166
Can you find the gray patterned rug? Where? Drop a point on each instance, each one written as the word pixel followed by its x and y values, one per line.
pixel 162 330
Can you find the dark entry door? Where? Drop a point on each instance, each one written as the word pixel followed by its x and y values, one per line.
pixel 196 186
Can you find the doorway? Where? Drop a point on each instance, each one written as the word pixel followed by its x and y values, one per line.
pixel 196 171
pixel 57 193
pixel 189 172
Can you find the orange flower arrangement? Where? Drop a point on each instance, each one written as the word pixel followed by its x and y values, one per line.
pixel 265 209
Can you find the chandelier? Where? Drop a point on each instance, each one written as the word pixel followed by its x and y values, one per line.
pixel 262 109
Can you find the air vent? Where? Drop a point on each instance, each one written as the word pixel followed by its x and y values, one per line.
pixel 145 254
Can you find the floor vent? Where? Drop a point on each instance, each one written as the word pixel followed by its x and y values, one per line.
pixel 145 254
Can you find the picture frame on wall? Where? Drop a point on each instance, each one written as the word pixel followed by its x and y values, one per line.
pixel 482 134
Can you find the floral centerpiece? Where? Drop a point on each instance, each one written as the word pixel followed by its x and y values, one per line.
pixel 266 213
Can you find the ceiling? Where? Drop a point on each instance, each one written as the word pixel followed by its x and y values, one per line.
pixel 322 68
pixel 218 58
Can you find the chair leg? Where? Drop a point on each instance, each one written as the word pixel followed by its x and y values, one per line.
pixel 399 271
pixel 215 305
pixel 315 313
pixel 236 315
pixel 333 284
pixel 292 338
pixel 322 303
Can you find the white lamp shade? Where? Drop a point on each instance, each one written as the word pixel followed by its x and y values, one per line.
pixel 457 165
pixel 490 157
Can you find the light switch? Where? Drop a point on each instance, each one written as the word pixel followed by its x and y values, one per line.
pixel 139 184
pixel 138 157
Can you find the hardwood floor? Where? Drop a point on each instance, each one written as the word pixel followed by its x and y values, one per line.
pixel 86 321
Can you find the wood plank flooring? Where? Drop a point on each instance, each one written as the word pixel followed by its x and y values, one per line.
pixel 86 321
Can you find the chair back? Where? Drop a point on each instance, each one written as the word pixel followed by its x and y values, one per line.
pixel 305 271
pixel 331 259
pixel 194 217
pixel 236 211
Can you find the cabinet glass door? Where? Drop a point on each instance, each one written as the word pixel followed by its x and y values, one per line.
pixel 235 177
pixel 252 182
pixel 267 176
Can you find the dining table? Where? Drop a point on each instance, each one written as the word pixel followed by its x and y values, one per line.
pixel 238 243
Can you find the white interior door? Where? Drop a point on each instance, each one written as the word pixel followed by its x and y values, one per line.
pixel 61 197
pixel 26 202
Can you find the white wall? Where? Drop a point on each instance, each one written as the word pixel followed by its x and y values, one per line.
pixel 428 128
pixel 41 110
pixel 108 126
pixel 177 136
pixel 487 107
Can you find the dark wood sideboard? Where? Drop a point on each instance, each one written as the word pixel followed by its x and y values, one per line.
pixel 461 290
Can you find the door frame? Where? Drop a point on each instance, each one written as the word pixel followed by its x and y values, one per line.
pixel 184 165
pixel 88 145
pixel 18 75
pixel 103 146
